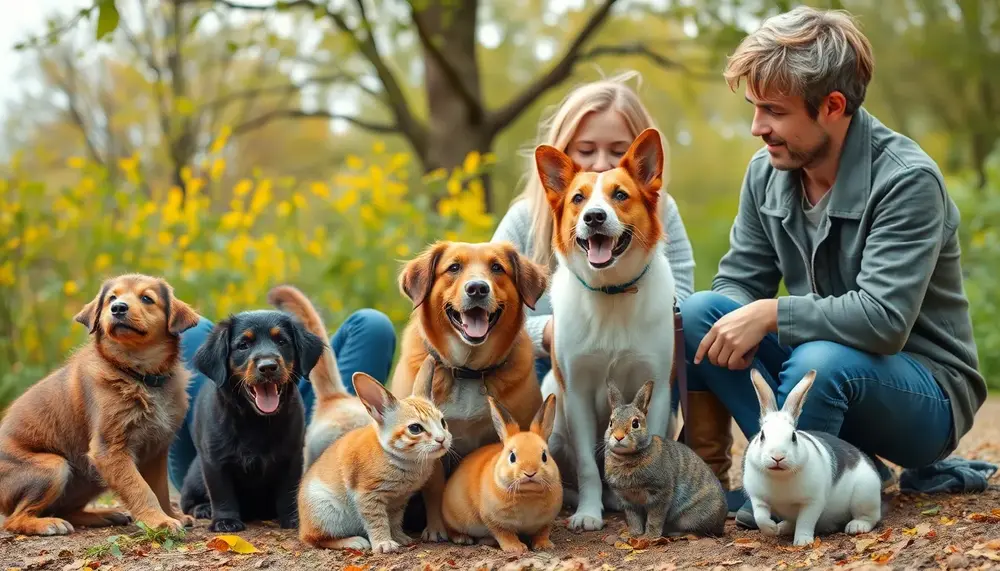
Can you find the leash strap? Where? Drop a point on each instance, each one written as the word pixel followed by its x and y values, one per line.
pixel 680 358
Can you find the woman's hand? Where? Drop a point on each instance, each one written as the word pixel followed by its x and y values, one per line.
pixel 547 336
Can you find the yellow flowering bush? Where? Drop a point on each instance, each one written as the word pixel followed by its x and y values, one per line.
pixel 341 241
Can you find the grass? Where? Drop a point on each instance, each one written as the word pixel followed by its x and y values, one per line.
pixel 118 545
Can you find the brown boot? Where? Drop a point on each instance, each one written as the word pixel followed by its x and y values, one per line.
pixel 710 433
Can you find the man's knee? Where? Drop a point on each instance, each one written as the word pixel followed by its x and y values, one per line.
pixel 374 326
pixel 831 361
pixel 700 311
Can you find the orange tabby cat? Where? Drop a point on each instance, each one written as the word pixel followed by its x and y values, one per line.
pixel 360 485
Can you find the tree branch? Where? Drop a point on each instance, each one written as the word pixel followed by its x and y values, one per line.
pixel 277 89
pixel 414 130
pixel 501 118
pixel 266 118
pixel 454 78
pixel 640 49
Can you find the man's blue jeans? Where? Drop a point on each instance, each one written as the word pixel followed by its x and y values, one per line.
pixel 888 406
pixel 366 342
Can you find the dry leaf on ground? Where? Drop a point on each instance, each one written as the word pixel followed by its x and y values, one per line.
pixel 232 543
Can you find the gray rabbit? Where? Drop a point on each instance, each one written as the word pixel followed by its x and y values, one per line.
pixel 663 484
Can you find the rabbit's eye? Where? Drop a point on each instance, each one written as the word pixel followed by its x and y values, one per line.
pixel 444 424
pixel 545 457
pixel 635 423
pixel 611 423
pixel 794 439
pixel 513 458
pixel 762 435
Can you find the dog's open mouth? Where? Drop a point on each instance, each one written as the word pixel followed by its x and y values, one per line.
pixel 474 323
pixel 266 396
pixel 602 250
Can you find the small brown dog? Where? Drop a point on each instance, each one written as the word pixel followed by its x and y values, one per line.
pixel 469 315
pixel 103 420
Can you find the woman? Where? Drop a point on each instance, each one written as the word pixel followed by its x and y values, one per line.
pixel 366 342
pixel 594 125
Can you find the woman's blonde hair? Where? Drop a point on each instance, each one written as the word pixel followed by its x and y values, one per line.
pixel 559 129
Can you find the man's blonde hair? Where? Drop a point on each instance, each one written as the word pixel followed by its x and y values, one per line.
pixel 806 52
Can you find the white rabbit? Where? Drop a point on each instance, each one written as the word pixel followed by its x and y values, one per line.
pixel 814 481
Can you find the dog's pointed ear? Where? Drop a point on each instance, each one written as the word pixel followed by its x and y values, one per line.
pixel 309 348
pixel 180 316
pixel 644 162
pixel 212 357
pixel 531 279
pixel 556 171
pixel 417 278
pixel 90 315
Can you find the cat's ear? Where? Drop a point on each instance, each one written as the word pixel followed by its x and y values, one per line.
pixel 377 400
pixel 503 422
pixel 423 383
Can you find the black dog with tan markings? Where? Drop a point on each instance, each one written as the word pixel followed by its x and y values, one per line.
pixel 249 427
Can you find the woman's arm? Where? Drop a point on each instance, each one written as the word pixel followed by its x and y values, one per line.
pixel 679 251
pixel 515 227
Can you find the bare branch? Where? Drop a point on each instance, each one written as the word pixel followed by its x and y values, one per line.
pixel 503 117
pixel 277 89
pixel 266 118
pixel 454 78
pixel 414 130
pixel 640 49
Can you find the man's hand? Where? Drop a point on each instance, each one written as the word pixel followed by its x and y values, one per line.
pixel 732 342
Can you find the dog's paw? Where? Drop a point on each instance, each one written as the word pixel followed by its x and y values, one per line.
pixel 540 544
pixel 767 527
pixel 117 517
pixel 434 535
pixel 202 511
pixel 163 521
pixel 786 527
pixel 385 547
pixel 403 539
pixel 288 521
pixel 186 520
pixel 462 539
pixel 583 521
pixel 803 539
pixel 43 526
pixel 515 547
pixel 856 526
pixel 226 524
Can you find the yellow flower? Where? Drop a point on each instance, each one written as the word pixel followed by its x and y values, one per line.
pixel 165 238
pixel 102 262
pixel 220 142
pixel 218 167
pixel 402 250
pixel 354 162
pixel 315 248
pixel 30 234
pixel 70 288
pixel 284 208
pixel 471 164
pixel 299 200
pixel 13 243
pixel 378 148
pixel 7 273
pixel 320 189
pixel 76 162
pixel 196 184
pixel 454 186
pixel 186 174
pixel 230 220
pixel 398 161
pixel 243 187
pixel 184 241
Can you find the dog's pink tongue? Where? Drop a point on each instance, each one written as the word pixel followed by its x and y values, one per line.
pixel 599 249
pixel 474 322
pixel 266 396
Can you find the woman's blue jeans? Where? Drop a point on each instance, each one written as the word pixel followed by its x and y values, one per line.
pixel 365 342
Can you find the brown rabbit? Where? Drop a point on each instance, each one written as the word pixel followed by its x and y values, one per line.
pixel 507 488
pixel 354 495
pixel 662 483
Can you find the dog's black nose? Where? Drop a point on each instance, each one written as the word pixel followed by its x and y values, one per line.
pixel 477 289
pixel 119 308
pixel 594 217
pixel 267 366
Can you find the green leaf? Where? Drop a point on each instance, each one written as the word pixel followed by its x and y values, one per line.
pixel 319 11
pixel 168 544
pixel 107 18
pixel 282 6
pixel 232 46
pixel 932 511
pixel 19 46
pixel 113 538
pixel 116 551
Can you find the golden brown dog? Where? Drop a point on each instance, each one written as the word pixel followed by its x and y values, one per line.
pixel 103 420
pixel 469 315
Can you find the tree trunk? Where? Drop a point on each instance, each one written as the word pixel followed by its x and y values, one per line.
pixel 457 123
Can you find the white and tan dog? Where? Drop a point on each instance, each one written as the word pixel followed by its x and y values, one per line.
pixel 612 301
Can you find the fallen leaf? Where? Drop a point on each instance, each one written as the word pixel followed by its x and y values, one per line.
pixel 985 518
pixel 623 546
pixel 745 543
pixel 233 543
pixel 951 549
pixel 860 545
pixel 945 520
pixel 630 557
pixel 638 542
pixel 354 568
pixel 991 555
pixel 932 511
pixel 731 563
pixel 993 544
pixel 922 530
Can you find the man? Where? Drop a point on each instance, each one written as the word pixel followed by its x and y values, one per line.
pixel 855 219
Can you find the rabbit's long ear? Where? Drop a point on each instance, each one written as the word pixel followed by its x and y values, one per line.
pixel 797 397
pixel 764 393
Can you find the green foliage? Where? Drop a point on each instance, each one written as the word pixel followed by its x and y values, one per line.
pixel 980 235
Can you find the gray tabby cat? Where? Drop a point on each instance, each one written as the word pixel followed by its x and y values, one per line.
pixel 663 484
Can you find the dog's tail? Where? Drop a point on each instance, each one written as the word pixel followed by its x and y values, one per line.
pixel 325 376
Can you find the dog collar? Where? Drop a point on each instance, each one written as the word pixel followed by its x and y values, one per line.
pixel 463 372
pixel 152 381
pixel 615 289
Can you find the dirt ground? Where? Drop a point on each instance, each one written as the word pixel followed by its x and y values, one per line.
pixel 944 531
